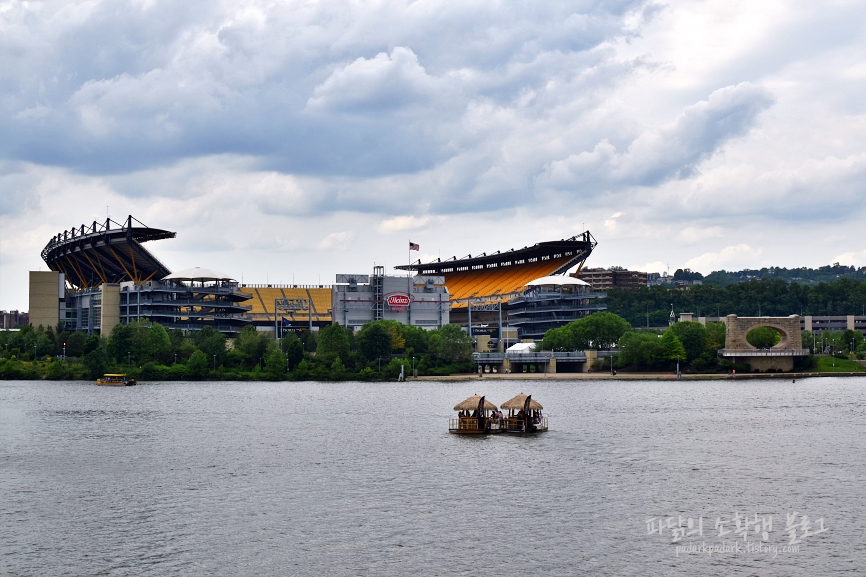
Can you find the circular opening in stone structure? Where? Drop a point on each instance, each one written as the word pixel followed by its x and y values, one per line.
pixel 763 337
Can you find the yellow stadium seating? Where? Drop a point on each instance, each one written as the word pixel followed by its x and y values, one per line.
pixel 263 299
pixel 465 284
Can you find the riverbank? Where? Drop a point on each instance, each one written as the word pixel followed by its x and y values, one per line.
pixel 633 376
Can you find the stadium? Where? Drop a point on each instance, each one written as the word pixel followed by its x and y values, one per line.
pixel 102 275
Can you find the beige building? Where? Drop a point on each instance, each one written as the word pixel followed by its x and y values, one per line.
pixel 601 279
pixel 47 290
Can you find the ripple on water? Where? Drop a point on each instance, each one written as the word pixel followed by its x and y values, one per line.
pixel 348 478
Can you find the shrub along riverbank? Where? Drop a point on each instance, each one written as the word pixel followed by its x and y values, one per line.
pixel 378 351
pixel 150 352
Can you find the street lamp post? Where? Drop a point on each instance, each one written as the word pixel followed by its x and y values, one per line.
pixel 128 359
pixel 214 362
pixel 64 350
pixel 413 366
pixel 175 358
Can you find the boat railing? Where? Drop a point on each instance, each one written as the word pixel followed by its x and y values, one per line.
pixel 471 424
pixel 517 424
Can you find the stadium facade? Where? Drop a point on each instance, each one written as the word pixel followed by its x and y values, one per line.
pixel 101 275
pixel 420 301
pixel 522 288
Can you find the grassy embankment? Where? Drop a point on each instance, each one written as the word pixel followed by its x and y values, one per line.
pixel 833 365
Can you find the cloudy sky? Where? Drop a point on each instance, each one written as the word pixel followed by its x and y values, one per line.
pixel 289 141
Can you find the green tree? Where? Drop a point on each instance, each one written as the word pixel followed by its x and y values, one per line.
pixel 374 341
pixel 333 343
pixel 252 345
pixel 716 335
pixel 641 349
pixel 338 369
pixel 197 366
pixel 558 339
pixel 851 337
pixel 308 339
pixel 95 358
pixel 57 370
pixel 92 343
pixel 44 345
pixel 212 344
pixel 693 337
pixel 763 337
pixel 451 344
pixel 275 365
pixel 157 345
pixel 601 330
pixel 416 339
pixel 121 342
pixel 295 353
pixel 672 348
pixel 75 344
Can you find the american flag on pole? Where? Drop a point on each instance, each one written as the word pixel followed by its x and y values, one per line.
pixel 414 246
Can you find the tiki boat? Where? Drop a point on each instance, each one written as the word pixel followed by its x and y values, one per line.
pixel 115 380
pixel 524 416
pixel 474 418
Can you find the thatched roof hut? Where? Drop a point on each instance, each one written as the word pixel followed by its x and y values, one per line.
pixel 517 403
pixel 471 404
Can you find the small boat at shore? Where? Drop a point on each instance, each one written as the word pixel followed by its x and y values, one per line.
pixel 475 417
pixel 524 416
pixel 115 380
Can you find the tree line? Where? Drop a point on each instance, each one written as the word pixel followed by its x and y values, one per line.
pixel 692 345
pixel 148 351
pixel 651 306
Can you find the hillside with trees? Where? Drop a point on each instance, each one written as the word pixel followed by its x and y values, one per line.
pixel 651 306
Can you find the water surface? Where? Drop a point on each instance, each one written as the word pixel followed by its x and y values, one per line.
pixel 362 478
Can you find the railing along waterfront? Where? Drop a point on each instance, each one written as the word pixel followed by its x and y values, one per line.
pixel 763 352
pixel 543 356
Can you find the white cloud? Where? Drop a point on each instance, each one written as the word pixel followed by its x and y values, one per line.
pixel 657 266
pixel 610 223
pixel 693 234
pixel 737 256
pixel 401 223
pixel 856 258
pixel 263 131
pixel 338 241
pixel 383 82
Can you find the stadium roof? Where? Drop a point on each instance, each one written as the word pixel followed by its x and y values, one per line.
pixel 504 273
pixel 198 274
pixel 577 248
pixel 108 252
pixel 557 280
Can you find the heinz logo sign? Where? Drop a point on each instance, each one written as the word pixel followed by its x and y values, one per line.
pixel 398 301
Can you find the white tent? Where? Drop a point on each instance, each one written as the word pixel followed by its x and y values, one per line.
pixel 521 348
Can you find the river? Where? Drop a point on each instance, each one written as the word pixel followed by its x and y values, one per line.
pixel 363 479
